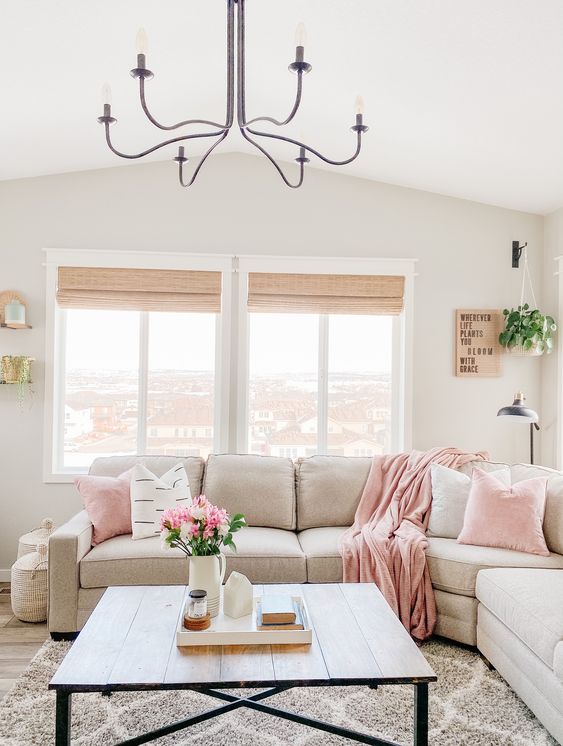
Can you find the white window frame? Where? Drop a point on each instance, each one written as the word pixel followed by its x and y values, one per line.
pixel 231 408
pixel 402 352
pixel 53 469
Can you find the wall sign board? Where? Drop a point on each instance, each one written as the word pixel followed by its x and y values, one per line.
pixel 477 350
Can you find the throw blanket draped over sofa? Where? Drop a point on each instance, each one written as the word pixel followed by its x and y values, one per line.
pixel 386 544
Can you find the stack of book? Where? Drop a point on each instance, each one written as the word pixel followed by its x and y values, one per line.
pixel 278 612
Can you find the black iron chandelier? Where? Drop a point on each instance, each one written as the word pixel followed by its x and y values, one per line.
pixel 235 91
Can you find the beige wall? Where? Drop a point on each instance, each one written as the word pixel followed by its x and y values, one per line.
pixel 239 206
pixel 553 247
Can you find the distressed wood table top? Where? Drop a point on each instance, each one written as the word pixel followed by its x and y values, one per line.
pixel 129 642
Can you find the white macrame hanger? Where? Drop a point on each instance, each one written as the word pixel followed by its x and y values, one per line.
pixel 526 273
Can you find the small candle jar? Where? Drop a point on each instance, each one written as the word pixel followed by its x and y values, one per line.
pixel 197 604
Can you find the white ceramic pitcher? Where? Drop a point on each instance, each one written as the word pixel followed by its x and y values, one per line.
pixel 207 574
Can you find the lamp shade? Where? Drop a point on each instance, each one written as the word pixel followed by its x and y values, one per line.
pixel 517 411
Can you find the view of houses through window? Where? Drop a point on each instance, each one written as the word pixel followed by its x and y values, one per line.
pixel 148 385
pixel 102 393
pixel 287 382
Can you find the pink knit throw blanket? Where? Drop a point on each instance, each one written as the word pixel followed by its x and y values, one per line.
pixel 387 543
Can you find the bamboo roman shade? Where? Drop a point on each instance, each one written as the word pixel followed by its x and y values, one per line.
pixel 139 289
pixel 342 294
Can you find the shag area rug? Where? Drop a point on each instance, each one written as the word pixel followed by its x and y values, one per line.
pixel 468 705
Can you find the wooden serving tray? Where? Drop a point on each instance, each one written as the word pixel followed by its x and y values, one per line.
pixel 227 631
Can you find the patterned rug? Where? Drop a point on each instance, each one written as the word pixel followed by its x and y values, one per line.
pixel 468 705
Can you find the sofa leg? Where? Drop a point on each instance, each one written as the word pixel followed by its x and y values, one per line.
pixel 58 636
pixel 487 662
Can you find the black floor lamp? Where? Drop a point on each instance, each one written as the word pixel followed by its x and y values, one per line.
pixel 518 412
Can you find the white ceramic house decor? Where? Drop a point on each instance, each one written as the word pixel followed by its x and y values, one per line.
pixel 238 595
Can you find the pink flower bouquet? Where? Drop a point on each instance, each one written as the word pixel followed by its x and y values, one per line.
pixel 200 528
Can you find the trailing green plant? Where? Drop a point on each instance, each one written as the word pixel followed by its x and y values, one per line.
pixel 17 369
pixel 529 329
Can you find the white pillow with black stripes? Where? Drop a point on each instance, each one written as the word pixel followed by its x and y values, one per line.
pixel 152 495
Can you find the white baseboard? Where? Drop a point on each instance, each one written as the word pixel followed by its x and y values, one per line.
pixel 5 576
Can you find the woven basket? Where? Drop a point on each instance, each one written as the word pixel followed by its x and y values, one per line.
pixel 29 590
pixel 28 542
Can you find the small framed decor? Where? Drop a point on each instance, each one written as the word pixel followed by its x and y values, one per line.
pixel 477 349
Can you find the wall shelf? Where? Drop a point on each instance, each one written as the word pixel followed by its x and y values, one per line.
pixel 20 326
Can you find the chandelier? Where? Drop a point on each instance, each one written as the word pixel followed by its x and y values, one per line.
pixel 218 131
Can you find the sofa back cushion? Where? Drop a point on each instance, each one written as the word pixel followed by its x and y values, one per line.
pixel 260 487
pixel 113 466
pixel 329 489
pixel 553 519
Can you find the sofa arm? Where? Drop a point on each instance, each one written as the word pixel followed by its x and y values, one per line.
pixel 67 546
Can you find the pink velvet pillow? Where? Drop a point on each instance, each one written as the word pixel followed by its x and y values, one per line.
pixel 506 517
pixel 108 504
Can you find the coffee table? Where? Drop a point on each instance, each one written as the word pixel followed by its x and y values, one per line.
pixel 129 644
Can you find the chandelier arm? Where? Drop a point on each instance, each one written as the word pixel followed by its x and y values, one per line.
pixel 182 138
pixel 293 112
pixel 312 150
pixel 275 164
pixel 201 162
pixel 230 85
pixel 185 123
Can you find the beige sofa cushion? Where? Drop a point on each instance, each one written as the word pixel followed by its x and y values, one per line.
pixel 529 603
pixel 265 555
pixel 558 661
pixel 553 520
pixel 324 563
pixel 261 487
pixel 453 567
pixel 329 489
pixel 113 466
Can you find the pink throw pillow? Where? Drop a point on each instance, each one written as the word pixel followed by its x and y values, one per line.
pixel 108 504
pixel 506 517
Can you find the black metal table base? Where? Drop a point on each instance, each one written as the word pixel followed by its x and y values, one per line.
pixel 253 702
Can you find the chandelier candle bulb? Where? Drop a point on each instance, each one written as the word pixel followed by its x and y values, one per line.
pixel 142 42
pixel 359 104
pixel 300 35
pixel 106 95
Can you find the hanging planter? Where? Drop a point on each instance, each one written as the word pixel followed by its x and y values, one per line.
pixel 527 332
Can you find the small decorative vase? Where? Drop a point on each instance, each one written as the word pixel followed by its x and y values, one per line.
pixel 238 596
pixel 207 574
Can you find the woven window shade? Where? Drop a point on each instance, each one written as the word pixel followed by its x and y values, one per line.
pixel 139 289
pixel 341 294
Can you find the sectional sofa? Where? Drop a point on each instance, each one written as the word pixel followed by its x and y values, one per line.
pixel 507 603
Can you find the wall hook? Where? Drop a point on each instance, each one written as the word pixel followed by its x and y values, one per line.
pixel 517 253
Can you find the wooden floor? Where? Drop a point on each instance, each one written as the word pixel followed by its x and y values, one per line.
pixel 18 642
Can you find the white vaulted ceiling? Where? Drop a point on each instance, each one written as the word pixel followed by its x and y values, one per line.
pixel 463 97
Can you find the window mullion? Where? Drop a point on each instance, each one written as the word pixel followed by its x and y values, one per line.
pixel 143 382
pixel 322 396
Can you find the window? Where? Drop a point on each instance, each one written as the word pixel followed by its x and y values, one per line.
pixel 297 360
pixel 181 382
pixel 283 379
pixel 101 385
pixel 108 386
pixel 359 384
pixel 308 364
